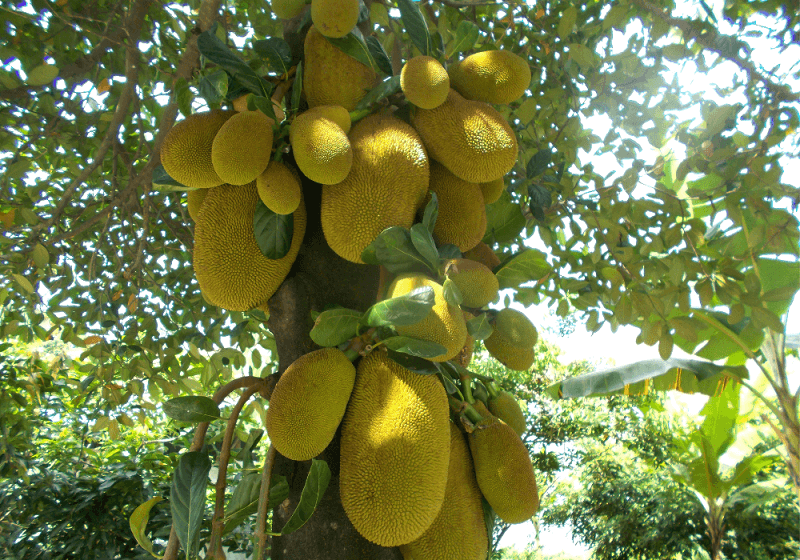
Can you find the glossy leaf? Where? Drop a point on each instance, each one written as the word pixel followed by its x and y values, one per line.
pixel 383 90
pixel 528 265
pixel 467 34
pixel 188 499
pixel 452 294
pixel 275 52
pixel 414 363
pixel 479 327
pixel 316 483
pixel 354 47
pixel 408 309
pixel 415 25
pixel 217 52
pixel 424 244
pixel 273 232
pixel 379 55
pixel 431 212
pixel 244 501
pixel 394 249
pixel 138 522
pixel 414 346
pixel 191 408
pixel 335 326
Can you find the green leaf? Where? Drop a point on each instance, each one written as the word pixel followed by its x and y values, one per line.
pixel 452 294
pixel 213 87
pixel 276 53
pixel 355 48
pixel 703 472
pixel 379 55
pixel 721 413
pixel 778 274
pixel 297 87
pixel 467 34
pixel 415 25
pixel 24 283
pixel 526 266
pixel 745 471
pixel 191 408
pixel 40 255
pixel 244 501
pixel 188 499
pixel 431 212
pixel 449 251
pixel 217 52
pixel 687 376
pixel 504 220
pixel 314 489
pixel 383 90
pixel 394 249
pixel 583 55
pixel 273 232
pixel 538 163
pixel 568 19
pixel 407 309
pixel 415 347
pixel 138 523
pixel 261 103
pixel 479 327
pixel 42 75
pixel 335 326
pixel 183 96
pixel 423 242
pixel 414 363
pixel 161 177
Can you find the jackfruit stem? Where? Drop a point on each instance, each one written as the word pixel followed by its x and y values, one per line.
pixel 466 387
pixel 351 354
pixel 462 408
pixel 492 388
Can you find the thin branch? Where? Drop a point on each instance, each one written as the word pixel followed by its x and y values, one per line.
pixel 263 505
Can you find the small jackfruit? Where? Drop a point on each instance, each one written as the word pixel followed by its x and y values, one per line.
pixel 336 113
pixel 232 271
pixel 470 138
pixel 287 9
pixel 186 151
pixel 513 357
pixel 492 190
pixel 424 82
pixel 459 531
pixel 394 451
pixel 507 409
pixel 386 184
pixel 462 213
pixel 483 254
pixel 279 188
pixel 321 148
pixel 334 18
pixel 491 76
pixel 308 403
pixel 242 148
pixel 444 323
pixel 331 77
pixel 504 471
pixel 516 328
pixel 194 201
pixel 477 284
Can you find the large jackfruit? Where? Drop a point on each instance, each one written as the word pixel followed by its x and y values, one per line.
pixel 186 151
pixel 232 271
pixel 506 408
pixel 321 148
pixel 444 323
pixel 459 531
pixel 462 213
pixel 424 82
pixel 243 147
pixel 483 254
pixel 334 18
pixel 394 451
pixel 331 77
pixel 491 76
pixel 470 138
pixel 516 328
pixel 194 201
pixel 477 284
pixel 279 188
pixel 309 402
pixel 386 184
pixel 492 190
pixel 504 471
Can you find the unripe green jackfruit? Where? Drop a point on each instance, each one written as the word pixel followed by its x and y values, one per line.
pixel 492 190
pixel 279 188
pixel 477 284
pixel 516 328
pixel 334 18
pixel 243 147
pixel 491 76
pixel 513 357
pixel 309 402
pixel 483 254
pixel 424 82
pixel 194 201
pixel 186 151
pixel 321 148
pixel 507 409
pixel 462 213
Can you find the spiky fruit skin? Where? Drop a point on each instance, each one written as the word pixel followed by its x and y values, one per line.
pixel 469 138
pixel 516 328
pixel 492 190
pixel 334 18
pixel 518 359
pixel 287 9
pixel 186 151
pixel 424 82
pixel 504 471
pixel 477 284
pixel 394 451
pixel 507 409
pixel 194 201
pixel 336 113
pixel 386 184
pixel 444 323
pixel 309 402
pixel 331 77
pixel 459 531
pixel 321 148
pixel 462 214
pixel 491 76
pixel 242 148
pixel 279 188
pixel 232 271
pixel 483 254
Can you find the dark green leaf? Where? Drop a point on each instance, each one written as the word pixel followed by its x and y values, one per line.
pixel 414 363
pixel 526 266
pixel 504 220
pixel 386 88
pixel 314 489
pixel 452 294
pixel 431 212
pixel 403 310
pixel 538 163
pixel 415 347
pixel 479 327
pixel 335 326
pixel 183 96
pixel 379 55
pixel 354 47
pixel 449 251
pixel 275 52
pixel 437 42
pixel 191 408
pixel 244 501
pixel 261 103
pixel 213 87
pixel 273 232
pixel 394 250
pixel 423 242
pixel 415 25
pixel 466 36
pixel 161 177
pixel 188 499
pixel 540 200
pixel 217 52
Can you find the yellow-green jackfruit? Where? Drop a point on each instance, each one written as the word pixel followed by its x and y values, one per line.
pixel 243 147
pixel 334 18
pixel 394 451
pixel 336 113
pixel 470 138
pixel 483 254
pixel 492 190
pixel 516 328
pixel 444 323
pixel 424 82
pixel 477 284
pixel 459 531
pixel 287 9
pixel 507 409
pixel 386 184
pixel 232 271
pixel 194 201
pixel 513 357
pixel 321 148
pixel 308 403
pixel 186 151
pixel 504 471
pixel 462 213
pixel 491 76
pixel 331 77
pixel 279 188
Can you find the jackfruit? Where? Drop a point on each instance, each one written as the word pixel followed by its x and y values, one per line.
pixel 470 138
pixel 186 151
pixel 513 357
pixel 492 190
pixel 287 9
pixel 491 76
pixel 394 451
pixel 387 183
pixel 279 188
pixel 505 407
pixel 336 113
pixel 516 328
pixel 308 403
pixel 232 271
pixel 334 18
pixel 331 77
pixel 194 201
pixel 242 148
pixel 477 284
pixel 462 213
pixel 504 471
pixel 444 323
pixel 424 82
pixel 459 531
pixel 483 254
pixel 321 148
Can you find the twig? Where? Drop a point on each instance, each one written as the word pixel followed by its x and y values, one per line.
pixel 263 502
